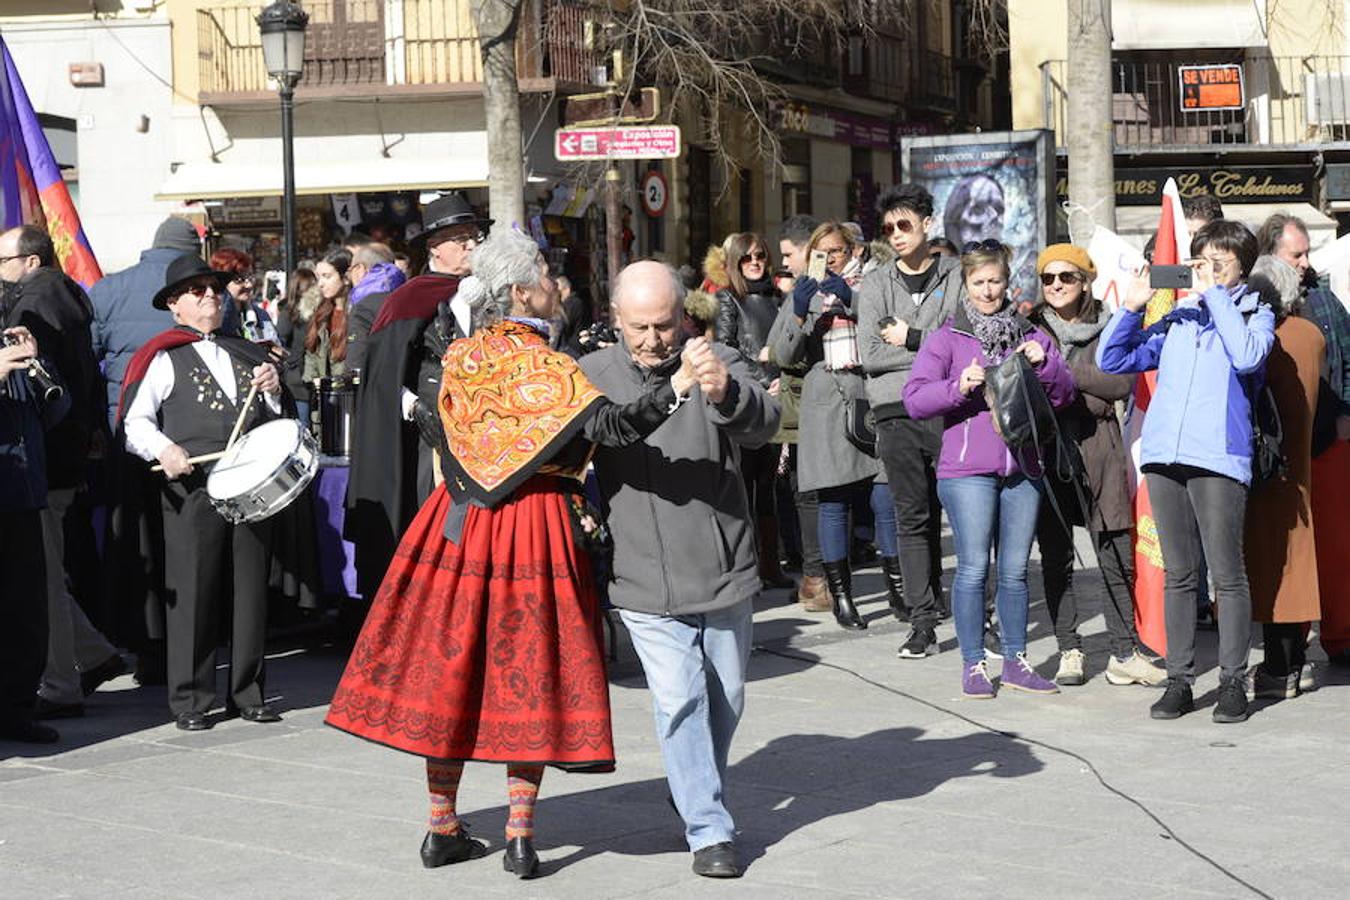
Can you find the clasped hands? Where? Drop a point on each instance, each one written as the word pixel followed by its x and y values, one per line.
pixel 972 376
pixel 700 365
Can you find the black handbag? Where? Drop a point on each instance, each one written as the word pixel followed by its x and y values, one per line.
pixel 860 426
pixel 1021 410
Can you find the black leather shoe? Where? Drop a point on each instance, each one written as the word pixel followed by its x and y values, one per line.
pixel 110 668
pixel 27 731
pixel 444 849
pixel 839 580
pixel 193 721
pixel 520 858
pixel 717 861
pixel 262 713
pixel 46 709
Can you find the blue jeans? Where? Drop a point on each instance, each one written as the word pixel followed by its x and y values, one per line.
pixel 975 504
pixel 695 667
pixel 835 503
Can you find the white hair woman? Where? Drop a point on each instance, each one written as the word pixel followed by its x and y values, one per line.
pixel 483 642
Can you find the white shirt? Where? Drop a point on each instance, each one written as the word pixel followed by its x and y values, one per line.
pixel 142 419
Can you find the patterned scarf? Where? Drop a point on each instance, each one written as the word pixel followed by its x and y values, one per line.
pixel 998 333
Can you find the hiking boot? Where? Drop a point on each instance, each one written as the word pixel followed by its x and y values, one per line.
pixel 1232 704
pixel 1070 671
pixel 921 642
pixel 1020 676
pixel 975 683
pixel 813 595
pixel 1175 702
pixel 839 578
pixel 1261 685
pixel 895 587
pixel 1134 669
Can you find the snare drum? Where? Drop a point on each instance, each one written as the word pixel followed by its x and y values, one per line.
pixel 263 472
pixel 334 401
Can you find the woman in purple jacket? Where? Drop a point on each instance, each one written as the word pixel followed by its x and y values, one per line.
pixel 980 481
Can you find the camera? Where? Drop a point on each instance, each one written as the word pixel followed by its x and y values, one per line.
pixel 590 340
pixel 43 382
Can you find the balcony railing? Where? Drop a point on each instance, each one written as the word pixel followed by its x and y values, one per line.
pixel 353 46
pixel 1288 102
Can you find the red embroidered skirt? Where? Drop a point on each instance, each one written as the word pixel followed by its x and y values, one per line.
pixel 490 649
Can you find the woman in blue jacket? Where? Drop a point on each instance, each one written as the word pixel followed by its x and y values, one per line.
pixel 1196 452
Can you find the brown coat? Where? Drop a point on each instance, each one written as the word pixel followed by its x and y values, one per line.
pixel 1090 422
pixel 1280 551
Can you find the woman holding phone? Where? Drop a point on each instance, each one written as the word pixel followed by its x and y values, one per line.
pixel 1196 453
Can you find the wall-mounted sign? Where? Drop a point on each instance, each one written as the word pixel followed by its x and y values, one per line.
pixel 1230 184
pixel 655 194
pixel 248 211
pixel 1205 88
pixel 832 125
pixel 621 142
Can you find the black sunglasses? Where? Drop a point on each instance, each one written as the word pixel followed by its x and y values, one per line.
pixel 904 226
pixel 1048 278
pixel 757 256
pixel 987 244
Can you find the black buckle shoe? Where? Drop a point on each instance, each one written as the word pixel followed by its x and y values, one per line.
pixel 717 861
pixel 445 849
pixel 520 858
pixel 1175 702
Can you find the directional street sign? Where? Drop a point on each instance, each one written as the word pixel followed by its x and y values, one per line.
pixel 621 142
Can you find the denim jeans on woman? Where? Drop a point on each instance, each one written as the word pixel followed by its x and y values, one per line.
pixel 835 503
pixel 981 508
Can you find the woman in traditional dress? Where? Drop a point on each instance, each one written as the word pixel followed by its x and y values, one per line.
pixel 484 640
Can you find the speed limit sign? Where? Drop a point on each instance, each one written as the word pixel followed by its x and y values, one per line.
pixel 655 194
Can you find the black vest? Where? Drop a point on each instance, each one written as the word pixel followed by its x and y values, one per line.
pixel 198 415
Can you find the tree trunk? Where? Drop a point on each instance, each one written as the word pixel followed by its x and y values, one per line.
pixel 498 22
pixel 1089 126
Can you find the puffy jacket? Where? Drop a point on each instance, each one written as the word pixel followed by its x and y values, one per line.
pixel 970 446
pixel 1199 414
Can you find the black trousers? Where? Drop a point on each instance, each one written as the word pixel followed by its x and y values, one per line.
pixel 205 557
pixel 1115 560
pixel 808 518
pixel 23 613
pixel 909 450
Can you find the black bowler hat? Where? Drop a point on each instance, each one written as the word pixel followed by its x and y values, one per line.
pixel 185 268
pixel 452 209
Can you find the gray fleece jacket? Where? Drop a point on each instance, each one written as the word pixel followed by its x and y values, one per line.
pixel 683 539
pixel 883 294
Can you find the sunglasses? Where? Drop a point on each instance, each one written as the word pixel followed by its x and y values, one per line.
pixel 246 278
pixel 756 256
pixel 199 290
pixel 988 244
pixel 904 226
pixel 1048 278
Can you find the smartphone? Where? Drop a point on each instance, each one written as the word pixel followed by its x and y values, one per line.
pixel 1174 277
pixel 883 324
pixel 816 267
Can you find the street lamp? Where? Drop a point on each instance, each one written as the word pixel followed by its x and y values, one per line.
pixel 282 26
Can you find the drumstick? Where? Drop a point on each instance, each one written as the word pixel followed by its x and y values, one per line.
pixel 243 413
pixel 205 457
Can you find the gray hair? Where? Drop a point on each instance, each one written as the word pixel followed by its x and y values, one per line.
pixel 371 255
pixel 677 287
pixel 1278 284
pixel 505 259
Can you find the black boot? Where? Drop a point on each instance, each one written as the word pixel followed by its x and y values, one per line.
pixel 895 586
pixel 839 579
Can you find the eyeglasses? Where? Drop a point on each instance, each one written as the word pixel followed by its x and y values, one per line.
pixel 833 252
pixel 904 226
pixel 5 259
pixel 1048 278
pixel 756 256
pixel 988 244
pixel 476 237
pixel 1219 262
pixel 199 290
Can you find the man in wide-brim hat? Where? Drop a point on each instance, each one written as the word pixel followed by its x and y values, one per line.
pixel 397 427
pixel 180 399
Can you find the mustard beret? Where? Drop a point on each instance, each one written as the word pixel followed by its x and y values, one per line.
pixel 1075 256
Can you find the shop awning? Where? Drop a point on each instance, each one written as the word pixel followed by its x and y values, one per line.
pixel 211 181
pixel 1195 24
pixel 1137 223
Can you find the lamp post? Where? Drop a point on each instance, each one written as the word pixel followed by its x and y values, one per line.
pixel 282 26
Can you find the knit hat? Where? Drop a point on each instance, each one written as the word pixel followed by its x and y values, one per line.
pixel 177 234
pixel 1074 256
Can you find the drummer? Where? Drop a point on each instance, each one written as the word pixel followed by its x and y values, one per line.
pixel 180 399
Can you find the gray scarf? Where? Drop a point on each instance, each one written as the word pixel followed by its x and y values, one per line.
pixel 1071 334
pixel 998 333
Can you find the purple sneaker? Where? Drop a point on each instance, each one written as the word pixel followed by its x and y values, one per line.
pixel 975 683
pixel 1020 676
